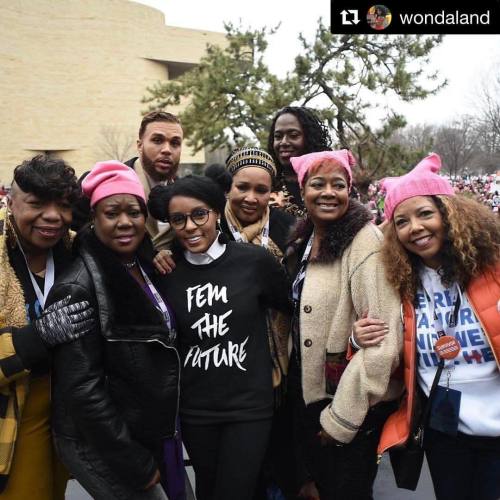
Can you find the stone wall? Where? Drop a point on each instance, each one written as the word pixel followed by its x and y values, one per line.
pixel 74 71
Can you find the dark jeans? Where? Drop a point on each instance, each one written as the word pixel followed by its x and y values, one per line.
pixel 226 457
pixel 95 476
pixel 463 467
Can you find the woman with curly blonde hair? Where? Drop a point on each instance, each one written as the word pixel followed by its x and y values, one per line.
pixel 442 254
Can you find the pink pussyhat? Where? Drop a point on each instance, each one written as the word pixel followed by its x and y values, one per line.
pixel 111 177
pixel 302 164
pixel 423 180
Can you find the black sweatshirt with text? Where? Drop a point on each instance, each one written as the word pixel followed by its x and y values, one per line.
pixel 220 315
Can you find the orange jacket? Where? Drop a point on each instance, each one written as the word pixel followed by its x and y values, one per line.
pixel 483 294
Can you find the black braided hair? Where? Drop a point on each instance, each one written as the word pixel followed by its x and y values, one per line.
pixel 316 135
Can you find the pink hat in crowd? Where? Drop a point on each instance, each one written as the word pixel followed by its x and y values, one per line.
pixel 302 164
pixel 423 180
pixel 111 177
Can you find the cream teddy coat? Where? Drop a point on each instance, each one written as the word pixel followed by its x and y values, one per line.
pixel 346 281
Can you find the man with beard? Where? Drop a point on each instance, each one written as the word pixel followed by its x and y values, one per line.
pixel 159 146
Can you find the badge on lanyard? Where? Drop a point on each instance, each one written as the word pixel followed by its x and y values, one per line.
pixel 447 347
pixel 445 404
pixel 49 277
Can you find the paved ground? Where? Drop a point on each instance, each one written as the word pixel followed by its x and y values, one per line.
pixel 385 487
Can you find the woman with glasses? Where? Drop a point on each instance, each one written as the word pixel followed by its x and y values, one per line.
pixel 220 290
pixel 248 179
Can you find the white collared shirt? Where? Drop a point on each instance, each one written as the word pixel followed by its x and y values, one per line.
pixel 214 252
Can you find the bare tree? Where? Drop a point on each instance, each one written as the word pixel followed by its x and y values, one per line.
pixel 416 137
pixel 489 101
pixel 116 144
pixel 457 144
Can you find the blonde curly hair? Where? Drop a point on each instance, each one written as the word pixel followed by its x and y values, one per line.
pixel 471 246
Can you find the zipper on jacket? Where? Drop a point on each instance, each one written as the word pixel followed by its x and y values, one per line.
pixel 412 379
pixel 486 334
pixel 178 378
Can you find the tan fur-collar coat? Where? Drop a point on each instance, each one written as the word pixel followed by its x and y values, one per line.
pixel 339 288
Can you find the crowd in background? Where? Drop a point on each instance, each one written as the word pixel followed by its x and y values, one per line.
pixel 482 188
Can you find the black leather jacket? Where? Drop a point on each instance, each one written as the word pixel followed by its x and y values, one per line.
pixel 116 388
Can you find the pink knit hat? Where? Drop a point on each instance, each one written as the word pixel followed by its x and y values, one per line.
pixel 111 177
pixel 302 164
pixel 423 180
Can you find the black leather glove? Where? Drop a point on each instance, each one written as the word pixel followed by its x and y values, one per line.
pixel 61 323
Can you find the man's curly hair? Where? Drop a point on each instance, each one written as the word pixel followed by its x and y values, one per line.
pixel 47 178
pixel 471 246
pixel 316 135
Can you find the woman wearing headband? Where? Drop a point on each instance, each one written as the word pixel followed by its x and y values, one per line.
pixel 248 179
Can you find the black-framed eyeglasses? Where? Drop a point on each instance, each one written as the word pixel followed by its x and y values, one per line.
pixel 199 216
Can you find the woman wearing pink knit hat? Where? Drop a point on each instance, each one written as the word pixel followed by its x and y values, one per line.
pixel 339 404
pixel 115 394
pixel 442 255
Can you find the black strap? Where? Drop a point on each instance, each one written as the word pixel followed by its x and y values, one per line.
pixel 419 434
pixel 453 320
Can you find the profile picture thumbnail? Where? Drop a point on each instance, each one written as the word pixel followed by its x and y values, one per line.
pixel 379 17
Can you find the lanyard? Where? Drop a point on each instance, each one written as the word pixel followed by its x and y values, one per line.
pixel 452 323
pixel 240 239
pixel 49 277
pixel 302 271
pixel 159 300
pixel 447 346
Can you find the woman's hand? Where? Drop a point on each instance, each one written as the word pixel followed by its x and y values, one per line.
pixel 163 262
pixel 309 491
pixel 64 322
pixel 155 480
pixel 368 332
pixel 326 440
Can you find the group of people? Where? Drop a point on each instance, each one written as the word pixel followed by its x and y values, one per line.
pixel 481 188
pixel 283 338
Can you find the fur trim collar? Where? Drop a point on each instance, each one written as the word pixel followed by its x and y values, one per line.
pixel 340 233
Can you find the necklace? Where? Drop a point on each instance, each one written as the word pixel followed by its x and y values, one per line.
pixel 130 265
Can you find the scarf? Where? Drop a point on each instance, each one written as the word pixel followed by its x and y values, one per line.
pixel 278 324
pixel 253 232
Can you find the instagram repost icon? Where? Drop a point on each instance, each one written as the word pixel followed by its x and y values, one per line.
pixel 379 17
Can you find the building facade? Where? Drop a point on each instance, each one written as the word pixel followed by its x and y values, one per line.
pixel 73 74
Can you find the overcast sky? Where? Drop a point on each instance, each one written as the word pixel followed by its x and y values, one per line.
pixel 465 61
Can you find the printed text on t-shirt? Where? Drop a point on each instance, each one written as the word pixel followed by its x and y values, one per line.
pixel 212 326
